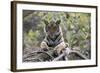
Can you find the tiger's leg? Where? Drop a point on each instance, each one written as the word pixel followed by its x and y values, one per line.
pixel 60 47
pixel 44 46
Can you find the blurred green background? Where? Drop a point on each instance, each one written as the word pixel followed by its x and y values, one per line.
pixel 76 27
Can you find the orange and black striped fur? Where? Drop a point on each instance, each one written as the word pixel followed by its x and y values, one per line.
pixel 54 36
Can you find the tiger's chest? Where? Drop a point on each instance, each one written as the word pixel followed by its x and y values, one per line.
pixel 54 40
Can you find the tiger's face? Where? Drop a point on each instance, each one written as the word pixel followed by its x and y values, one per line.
pixel 52 28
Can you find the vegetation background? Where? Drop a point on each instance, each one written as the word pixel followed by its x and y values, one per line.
pixel 76 29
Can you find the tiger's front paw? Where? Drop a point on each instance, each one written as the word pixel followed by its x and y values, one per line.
pixel 57 51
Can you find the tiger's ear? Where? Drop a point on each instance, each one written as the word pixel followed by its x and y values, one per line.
pixel 46 22
pixel 58 22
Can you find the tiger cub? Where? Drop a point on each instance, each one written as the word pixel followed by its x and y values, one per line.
pixel 54 36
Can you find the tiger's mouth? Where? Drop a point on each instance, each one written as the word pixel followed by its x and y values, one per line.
pixel 53 29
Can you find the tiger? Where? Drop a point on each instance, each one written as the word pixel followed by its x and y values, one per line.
pixel 54 36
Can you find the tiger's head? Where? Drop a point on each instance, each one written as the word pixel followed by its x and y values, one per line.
pixel 52 27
